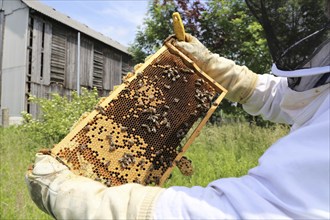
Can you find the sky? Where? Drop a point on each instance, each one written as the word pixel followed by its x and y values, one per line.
pixel 117 19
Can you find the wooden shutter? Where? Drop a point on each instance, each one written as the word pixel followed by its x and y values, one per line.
pixel 98 68
pixel 58 55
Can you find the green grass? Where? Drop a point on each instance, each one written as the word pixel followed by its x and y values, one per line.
pixel 226 151
pixel 17 152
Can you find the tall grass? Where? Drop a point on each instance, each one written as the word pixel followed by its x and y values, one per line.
pixel 226 151
pixel 229 150
pixel 17 152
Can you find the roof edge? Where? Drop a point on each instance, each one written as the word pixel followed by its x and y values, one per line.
pixel 65 19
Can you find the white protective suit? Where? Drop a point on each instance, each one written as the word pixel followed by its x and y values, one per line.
pixel 292 179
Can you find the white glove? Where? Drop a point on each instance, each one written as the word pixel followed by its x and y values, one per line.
pixel 238 80
pixel 64 195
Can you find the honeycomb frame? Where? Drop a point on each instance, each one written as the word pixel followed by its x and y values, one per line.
pixel 139 132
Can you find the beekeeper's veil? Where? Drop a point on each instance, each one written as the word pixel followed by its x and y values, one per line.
pixel 297 33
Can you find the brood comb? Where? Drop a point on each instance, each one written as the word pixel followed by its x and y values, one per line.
pixel 139 132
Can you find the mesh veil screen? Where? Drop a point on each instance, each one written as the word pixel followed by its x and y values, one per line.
pixel 294 29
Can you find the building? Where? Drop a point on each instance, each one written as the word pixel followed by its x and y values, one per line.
pixel 43 51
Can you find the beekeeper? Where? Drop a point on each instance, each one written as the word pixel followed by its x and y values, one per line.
pixel 292 178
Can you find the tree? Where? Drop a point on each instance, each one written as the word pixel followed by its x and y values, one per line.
pixel 225 27
pixel 157 26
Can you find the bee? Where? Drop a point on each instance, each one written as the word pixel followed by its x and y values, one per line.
pixel 140 104
pixel 98 179
pixel 179 149
pixel 167 86
pixel 123 129
pixel 141 163
pixel 165 114
pixel 144 111
pixel 168 125
pixel 109 137
pixel 152 110
pixel 152 118
pixel 157 179
pixel 140 84
pixel 136 180
pixel 176 100
pixel 157 124
pixel 151 97
pixel 112 147
pixel 69 159
pixel 147 127
pixel 185 79
pixel 153 129
pixel 151 168
pixel 100 109
pixel 83 147
pixel 107 163
pixel 166 107
pixel 147 180
pixel 87 128
pixel 201 81
pixel 130 142
pixel 194 113
pixel 186 70
pixel 108 183
pixel 123 166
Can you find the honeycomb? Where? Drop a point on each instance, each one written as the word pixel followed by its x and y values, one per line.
pixel 139 132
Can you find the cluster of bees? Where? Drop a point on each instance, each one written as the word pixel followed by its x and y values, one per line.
pixel 142 148
pixel 126 160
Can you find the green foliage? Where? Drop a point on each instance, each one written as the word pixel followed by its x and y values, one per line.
pixel 58 114
pixel 230 30
pixel 225 27
pixel 218 152
pixel 157 26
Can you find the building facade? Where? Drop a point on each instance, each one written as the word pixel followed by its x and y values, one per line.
pixel 43 51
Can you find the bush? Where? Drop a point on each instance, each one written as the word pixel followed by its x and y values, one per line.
pixel 58 114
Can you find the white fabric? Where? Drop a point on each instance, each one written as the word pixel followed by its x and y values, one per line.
pixel 300 72
pixel 292 178
pixel 63 195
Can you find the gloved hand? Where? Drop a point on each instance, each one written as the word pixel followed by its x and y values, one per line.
pixel 64 195
pixel 238 80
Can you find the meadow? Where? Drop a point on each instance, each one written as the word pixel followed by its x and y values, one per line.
pixel 229 150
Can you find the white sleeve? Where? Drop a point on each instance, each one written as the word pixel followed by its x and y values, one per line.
pixel 266 99
pixel 290 182
pixel 63 195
